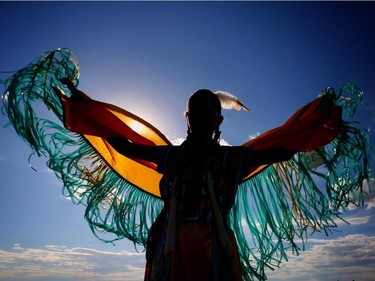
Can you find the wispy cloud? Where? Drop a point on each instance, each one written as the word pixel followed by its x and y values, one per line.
pixel 351 257
pixel 175 140
pixel 369 187
pixel 55 262
pixel 368 190
pixel 251 137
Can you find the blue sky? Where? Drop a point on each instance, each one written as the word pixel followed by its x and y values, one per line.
pixel 148 57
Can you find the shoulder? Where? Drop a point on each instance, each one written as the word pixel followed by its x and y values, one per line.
pixel 234 157
pixel 166 155
pixel 237 152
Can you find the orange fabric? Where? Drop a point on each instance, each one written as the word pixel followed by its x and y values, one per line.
pixel 142 174
pixel 314 125
pixel 96 121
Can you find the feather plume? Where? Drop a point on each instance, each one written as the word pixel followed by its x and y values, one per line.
pixel 229 101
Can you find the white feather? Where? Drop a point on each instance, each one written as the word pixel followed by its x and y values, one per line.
pixel 229 101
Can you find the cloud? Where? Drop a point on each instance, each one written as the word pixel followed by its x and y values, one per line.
pixel 17 247
pixel 369 187
pixel 224 142
pixel 358 220
pixel 251 137
pixel 370 202
pixel 176 140
pixel 351 257
pixel 55 262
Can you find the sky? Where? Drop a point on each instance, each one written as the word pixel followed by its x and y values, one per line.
pixel 149 57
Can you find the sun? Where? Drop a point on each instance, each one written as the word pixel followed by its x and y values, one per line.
pixel 137 127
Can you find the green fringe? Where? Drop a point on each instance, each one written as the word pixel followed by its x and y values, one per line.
pixel 274 210
pixel 113 205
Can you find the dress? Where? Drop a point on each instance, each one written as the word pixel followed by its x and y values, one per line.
pixel 276 206
pixel 196 251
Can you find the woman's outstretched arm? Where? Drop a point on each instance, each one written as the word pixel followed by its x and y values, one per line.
pixel 145 152
pixel 256 158
pixel 269 156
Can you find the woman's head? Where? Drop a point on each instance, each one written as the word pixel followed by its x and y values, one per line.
pixel 204 115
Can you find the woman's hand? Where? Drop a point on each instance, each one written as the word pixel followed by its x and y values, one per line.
pixel 76 95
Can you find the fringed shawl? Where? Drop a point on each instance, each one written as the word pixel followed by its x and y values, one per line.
pixel 276 205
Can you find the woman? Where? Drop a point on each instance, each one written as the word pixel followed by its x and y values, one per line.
pixel 275 205
pixel 190 239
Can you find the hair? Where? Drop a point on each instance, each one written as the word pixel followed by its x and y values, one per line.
pixel 204 101
pixel 203 105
